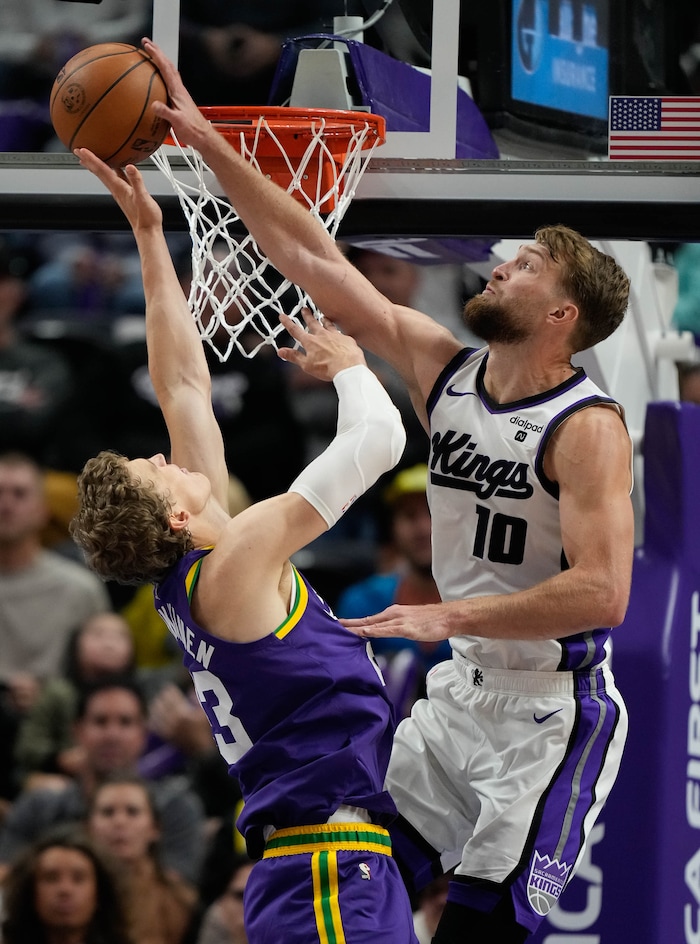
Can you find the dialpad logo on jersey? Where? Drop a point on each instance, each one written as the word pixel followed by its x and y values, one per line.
pixel 525 425
pixel 546 882
pixel 455 463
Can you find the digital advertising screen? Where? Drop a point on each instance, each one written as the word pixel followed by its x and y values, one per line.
pixel 560 56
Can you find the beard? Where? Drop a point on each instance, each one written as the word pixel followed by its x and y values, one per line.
pixel 493 322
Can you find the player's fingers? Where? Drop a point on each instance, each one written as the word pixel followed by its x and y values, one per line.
pixel 291 355
pixel 168 71
pixel 360 626
pixel 312 322
pixel 292 327
pixel 108 175
pixel 156 53
pixel 91 161
pixel 135 178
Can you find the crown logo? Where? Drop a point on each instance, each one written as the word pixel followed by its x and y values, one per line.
pixel 546 882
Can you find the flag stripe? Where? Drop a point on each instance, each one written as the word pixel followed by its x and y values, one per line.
pixel 654 127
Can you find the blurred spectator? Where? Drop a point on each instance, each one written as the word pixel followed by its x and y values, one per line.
pixel 101 647
pixel 61 890
pixel 264 440
pixel 689 383
pixel 179 734
pixel 123 821
pixel 61 492
pixel 177 718
pixel 35 382
pixel 229 51
pixel 431 902
pixel 409 581
pixel 225 849
pixel 87 281
pixel 111 729
pixel 154 647
pixel 687 39
pixel 43 596
pixel 223 920
pixel 686 314
pixel 440 290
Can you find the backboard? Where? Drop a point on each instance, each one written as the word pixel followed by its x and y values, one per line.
pixel 417 184
pixel 426 192
pixel 420 195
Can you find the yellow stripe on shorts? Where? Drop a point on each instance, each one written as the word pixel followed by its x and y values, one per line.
pixel 329 924
pixel 324 842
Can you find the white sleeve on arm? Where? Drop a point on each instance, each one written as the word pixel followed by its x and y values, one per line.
pixel 369 441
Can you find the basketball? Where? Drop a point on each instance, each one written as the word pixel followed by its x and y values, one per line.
pixel 101 100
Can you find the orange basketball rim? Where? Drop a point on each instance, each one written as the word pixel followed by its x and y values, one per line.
pixel 304 150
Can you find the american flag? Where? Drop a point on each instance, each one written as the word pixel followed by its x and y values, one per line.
pixel 660 128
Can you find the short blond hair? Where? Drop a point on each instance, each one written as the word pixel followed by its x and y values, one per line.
pixel 594 280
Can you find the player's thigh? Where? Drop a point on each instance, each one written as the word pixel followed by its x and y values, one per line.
pixel 428 776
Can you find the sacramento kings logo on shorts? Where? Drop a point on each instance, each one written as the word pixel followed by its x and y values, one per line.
pixel 546 883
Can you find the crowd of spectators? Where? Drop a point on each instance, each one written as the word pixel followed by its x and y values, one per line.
pixel 103 738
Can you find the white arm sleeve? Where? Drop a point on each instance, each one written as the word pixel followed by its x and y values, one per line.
pixel 369 441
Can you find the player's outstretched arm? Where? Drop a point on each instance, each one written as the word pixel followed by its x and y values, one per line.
pixel 369 441
pixel 301 249
pixel 244 570
pixel 369 438
pixel 176 360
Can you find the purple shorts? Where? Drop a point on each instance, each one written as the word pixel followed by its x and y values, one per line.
pixel 333 884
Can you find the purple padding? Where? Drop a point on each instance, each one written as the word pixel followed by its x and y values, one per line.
pixel 393 89
pixel 24 126
pixel 402 95
pixel 641 879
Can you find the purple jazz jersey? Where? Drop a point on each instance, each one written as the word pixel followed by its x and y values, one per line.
pixel 301 716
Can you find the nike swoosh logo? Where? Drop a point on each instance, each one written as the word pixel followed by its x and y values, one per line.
pixel 544 717
pixel 451 392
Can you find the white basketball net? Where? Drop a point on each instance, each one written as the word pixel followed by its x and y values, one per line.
pixel 235 289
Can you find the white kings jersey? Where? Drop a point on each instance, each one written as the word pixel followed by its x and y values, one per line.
pixel 495 514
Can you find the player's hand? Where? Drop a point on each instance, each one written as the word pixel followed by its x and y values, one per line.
pixel 128 189
pixel 324 350
pixel 425 623
pixel 185 118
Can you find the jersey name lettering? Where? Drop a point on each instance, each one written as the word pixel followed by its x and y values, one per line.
pixel 455 464
pixel 185 636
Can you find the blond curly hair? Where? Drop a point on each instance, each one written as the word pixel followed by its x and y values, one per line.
pixel 122 524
